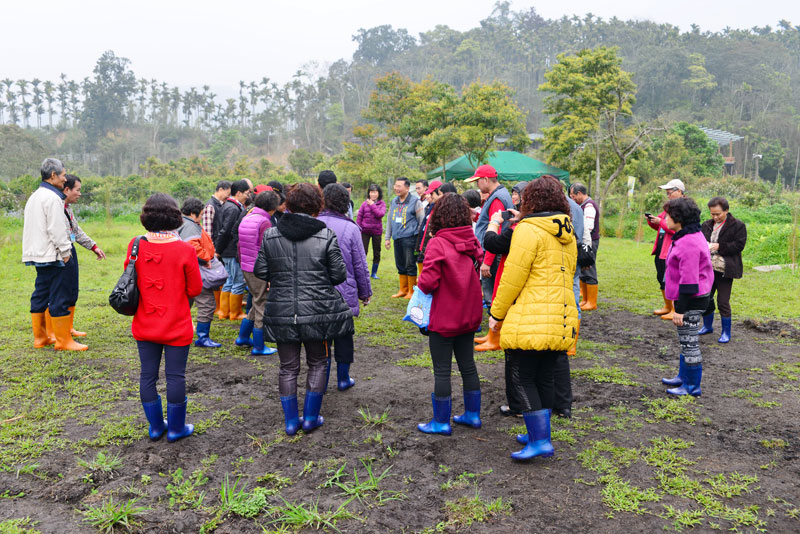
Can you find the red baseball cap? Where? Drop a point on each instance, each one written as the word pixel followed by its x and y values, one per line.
pixel 262 188
pixel 484 171
pixel 436 184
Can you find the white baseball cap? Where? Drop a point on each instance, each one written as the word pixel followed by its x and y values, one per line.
pixel 674 184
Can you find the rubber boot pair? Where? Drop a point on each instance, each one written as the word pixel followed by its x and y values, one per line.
pixel 537 440
pixel 155 416
pixel 472 410
pixel 692 374
pixel 440 424
pixel 203 339
pixel 64 341
pixel 374 274
pixel 412 281
pixel 245 330
pixel 224 305
pixel 492 342
pixel 708 325
pixel 259 348
pixel 72 331
pixel 311 407
pixel 343 380
pixel 667 305
pixel 235 312
pixel 403 282
pixel 176 422
pixel 574 348
pixel 591 298
pixel 42 335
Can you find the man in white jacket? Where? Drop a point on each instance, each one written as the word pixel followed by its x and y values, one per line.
pixel 46 245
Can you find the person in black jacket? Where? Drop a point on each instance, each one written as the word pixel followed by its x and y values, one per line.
pixel 726 238
pixel 302 261
pixel 226 245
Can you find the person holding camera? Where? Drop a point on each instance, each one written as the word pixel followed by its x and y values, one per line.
pixel 674 189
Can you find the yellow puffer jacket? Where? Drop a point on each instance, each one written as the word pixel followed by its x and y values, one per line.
pixel 535 299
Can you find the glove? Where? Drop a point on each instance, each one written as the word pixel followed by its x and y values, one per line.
pixel 585 258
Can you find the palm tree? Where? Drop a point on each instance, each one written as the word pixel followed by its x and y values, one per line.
pixel 9 96
pixel 74 100
pixel 63 100
pixel 142 99
pixel 50 97
pixel 37 101
pixel 24 104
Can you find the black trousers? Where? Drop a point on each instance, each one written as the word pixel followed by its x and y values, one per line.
pixel 442 350
pixel 174 369
pixel 343 349
pixel 722 287
pixel 661 270
pixel 72 278
pixel 317 353
pixel 532 377
pixel 562 383
pixel 50 291
pixel 404 258
pixel 376 246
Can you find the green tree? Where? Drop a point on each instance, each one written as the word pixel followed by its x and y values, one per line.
pixel 302 160
pixel 107 95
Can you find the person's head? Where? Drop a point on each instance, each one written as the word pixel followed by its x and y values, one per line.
pixel 421 187
pixel 451 211
pixel 578 192
pixel 223 190
pixel 267 201
pixel 349 187
pixel 191 208
pixel 72 189
pixel 336 198
pixel 304 198
pixel 53 172
pixel 374 193
pixel 485 179
pixel 160 213
pixel 543 195
pixel 401 186
pixel 281 202
pixel 325 178
pixel 674 189
pixel 473 198
pixel 718 207
pixel 681 212
pixel 440 191
pixel 276 186
pixel 240 189
pixel 516 191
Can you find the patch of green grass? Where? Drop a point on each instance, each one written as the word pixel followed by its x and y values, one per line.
pixel 22 525
pixel 465 511
pixel 621 496
pixel 731 486
pixel 103 462
pixel 607 375
pixel 773 443
pixel 273 481
pixel 235 499
pixel 300 516
pixel 682 519
pixel 606 458
pixel 788 371
pixel 365 488
pixel 373 420
pixel 418 360
pixel 679 409
pixel 215 421
pixel 463 480
pixel 185 492
pixel 109 515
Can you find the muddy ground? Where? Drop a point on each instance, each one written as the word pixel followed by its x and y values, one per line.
pixel 745 425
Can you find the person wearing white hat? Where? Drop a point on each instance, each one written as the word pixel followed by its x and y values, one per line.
pixel 674 189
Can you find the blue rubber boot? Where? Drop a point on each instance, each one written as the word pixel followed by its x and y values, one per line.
pixel 726 330
pixel 678 379
pixel 472 410
pixel 343 380
pixel 708 325
pixel 289 405
pixel 259 349
pixel 691 382
pixel 245 330
pixel 441 417
pixel 203 339
pixel 311 417
pixel 176 422
pixel 374 274
pixel 538 442
pixel 155 416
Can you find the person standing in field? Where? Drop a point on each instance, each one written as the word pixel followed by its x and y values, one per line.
pixel 591 238
pixel 405 217
pixel 46 245
pixel 434 192
pixel 674 189
pixel 370 220
pixel 212 222
pixel 226 245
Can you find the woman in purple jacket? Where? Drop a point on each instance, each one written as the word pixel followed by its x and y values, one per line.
pixel 369 219
pixel 688 280
pixel 357 286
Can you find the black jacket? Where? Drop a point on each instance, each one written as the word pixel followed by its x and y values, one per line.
pixel 422 241
pixel 227 240
pixel 301 260
pixel 732 239
pixel 215 203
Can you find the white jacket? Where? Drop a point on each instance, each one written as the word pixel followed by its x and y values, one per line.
pixel 45 234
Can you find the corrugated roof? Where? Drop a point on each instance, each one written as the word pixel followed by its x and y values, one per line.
pixel 721 137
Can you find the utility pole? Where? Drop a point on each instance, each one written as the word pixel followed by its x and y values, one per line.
pixel 796 165
pixel 756 159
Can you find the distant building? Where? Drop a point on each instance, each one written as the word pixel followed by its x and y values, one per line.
pixel 730 146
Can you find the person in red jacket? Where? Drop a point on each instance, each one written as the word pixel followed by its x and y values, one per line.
pixel 674 189
pixel 450 276
pixel 167 275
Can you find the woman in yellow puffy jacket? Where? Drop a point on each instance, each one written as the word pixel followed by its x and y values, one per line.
pixel 535 305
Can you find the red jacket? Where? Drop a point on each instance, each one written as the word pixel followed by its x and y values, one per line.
pixel 667 236
pixel 449 275
pixel 168 276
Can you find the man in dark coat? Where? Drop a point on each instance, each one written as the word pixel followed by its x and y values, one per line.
pixel 226 244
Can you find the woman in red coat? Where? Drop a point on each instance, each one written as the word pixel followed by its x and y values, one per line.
pixel 167 275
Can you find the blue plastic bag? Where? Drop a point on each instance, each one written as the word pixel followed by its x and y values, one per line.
pixel 419 309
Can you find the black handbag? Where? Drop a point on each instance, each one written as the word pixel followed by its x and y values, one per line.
pixel 125 296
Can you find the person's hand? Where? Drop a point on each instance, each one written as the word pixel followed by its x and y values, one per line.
pixel 370 201
pixel 677 319
pixel 486 270
pixel 713 247
pixel 67 258
pixel 99 253
pixel 497 217
pixel 495 325
pixel 654 219
pixel 388 244
pixel 366 301
pixel 515 214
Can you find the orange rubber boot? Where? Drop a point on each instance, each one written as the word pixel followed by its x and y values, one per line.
pixel 48 324
pixel 583 295
pixel 668 316
pixel 403 287
pixel 591 298
pixel 72 331
pixel 216 302
pixel 39 331
pixel 64 341
pixel 412 281
pixel 667 305
pixel 481 339
pixel 574 348
pixel 224 305
pixel 493 343
pixel 235 310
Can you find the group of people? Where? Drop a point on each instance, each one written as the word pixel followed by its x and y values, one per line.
pixel 301 258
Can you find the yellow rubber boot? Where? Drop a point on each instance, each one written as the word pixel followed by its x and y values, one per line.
pixel 591 298
pixel 481 339
pixel 668 316
pixel 235 310
pixel 64 341
pixel 403 287
pixel 574 348
pixel 48 324
pixel 667 305
pixel 39 331
pixel 224 305
pixel 72 331
pixel 216 302
pixel 412 281
pixel 583 295
pixel 492 343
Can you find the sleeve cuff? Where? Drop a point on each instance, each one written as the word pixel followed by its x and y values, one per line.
pixel 94 247
pixel 688 289
pixel 495 318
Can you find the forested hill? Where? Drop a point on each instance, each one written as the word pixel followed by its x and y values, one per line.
pixel 742 80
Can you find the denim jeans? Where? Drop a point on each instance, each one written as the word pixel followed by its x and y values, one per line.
pixel 235 282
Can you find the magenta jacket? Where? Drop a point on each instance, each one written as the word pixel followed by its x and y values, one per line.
pixel 251 230
pixel 370 218
pixel 667 236
pixel 689 272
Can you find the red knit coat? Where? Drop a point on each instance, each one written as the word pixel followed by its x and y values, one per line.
pixel 168 276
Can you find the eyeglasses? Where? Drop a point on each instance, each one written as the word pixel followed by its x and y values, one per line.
pixel 670 191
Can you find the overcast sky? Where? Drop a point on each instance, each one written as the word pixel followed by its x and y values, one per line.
pixel 196 42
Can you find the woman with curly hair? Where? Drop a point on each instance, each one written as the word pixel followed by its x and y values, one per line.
pixel 449 274
pixel 535 306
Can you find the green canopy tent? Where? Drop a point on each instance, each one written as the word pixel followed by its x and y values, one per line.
pixel 511 166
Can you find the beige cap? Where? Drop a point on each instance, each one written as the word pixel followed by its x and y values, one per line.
pixel 674 184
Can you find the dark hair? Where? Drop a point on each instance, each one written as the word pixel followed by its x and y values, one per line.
pixel 446 187
pixel 336 198
pixel 716 201
pixel 375 187
pixel 160 213
pixel 304 198
pixel 276 186
pixel 450 211
pixel 473 197
pixel 404 180
pixel 542 195
pixel 223 184
pixel 347 185
pixel 423 182
pixel 71 179
pixel 192 206
pixel 683 210
pixel 577 187
pixel 325 178
pixel 239 186
pixel 519 186
pixel 267 201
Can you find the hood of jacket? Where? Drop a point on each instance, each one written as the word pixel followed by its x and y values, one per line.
pixel 298 226
pixel 558 224
pixel 463 240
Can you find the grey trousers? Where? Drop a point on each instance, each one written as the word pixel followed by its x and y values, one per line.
pixel 258 288
pixel 317 354
pixel 205 305
pixel 589 276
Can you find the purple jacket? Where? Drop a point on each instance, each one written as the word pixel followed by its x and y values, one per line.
pixel 357 286
pixel 689 271
pixel 370 218
pixel 251 230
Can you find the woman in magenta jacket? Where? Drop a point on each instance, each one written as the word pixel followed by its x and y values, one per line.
pixel 369 219
pixel 674 189
pixel 449 275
